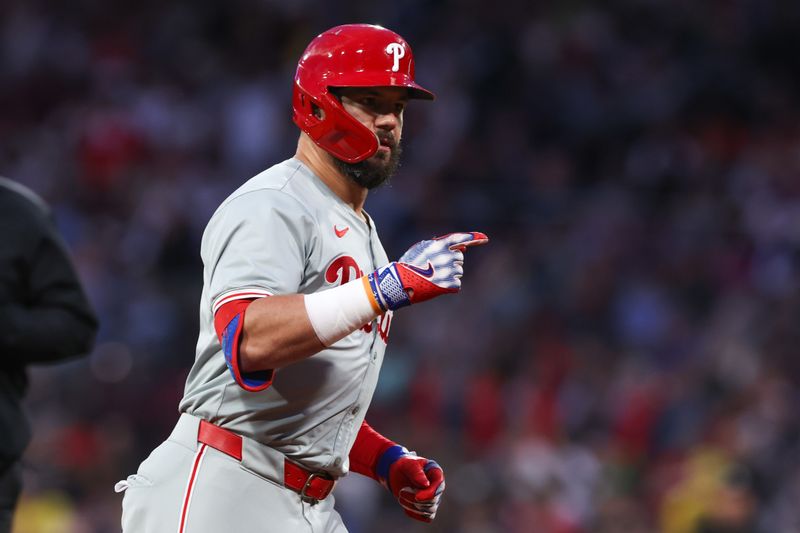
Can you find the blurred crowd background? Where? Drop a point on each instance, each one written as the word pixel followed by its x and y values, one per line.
pixel 624 355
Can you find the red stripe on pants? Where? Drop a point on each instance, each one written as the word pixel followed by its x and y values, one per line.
pixel 190 487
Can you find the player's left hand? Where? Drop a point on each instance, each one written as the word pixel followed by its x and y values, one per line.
pixel 416 482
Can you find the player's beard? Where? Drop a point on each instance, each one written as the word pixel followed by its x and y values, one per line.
pixel 376 170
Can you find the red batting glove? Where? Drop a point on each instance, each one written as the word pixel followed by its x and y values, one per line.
pixel 416 482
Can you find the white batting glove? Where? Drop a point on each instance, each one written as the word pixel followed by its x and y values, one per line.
pixel 428 269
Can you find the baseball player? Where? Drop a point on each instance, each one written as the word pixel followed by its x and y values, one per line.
pixel 295 315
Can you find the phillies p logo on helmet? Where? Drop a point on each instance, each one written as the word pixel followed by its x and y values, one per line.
pixel 397 50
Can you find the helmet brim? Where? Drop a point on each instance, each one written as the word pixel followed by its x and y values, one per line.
pixel 415 91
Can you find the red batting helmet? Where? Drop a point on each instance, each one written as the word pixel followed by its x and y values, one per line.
pixel 354 55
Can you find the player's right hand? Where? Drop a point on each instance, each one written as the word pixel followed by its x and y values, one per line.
pixel 416 482
pixel 428 269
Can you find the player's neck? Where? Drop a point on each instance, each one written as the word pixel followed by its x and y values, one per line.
pixel 320 164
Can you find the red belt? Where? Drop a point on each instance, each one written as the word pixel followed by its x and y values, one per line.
pixel 312 486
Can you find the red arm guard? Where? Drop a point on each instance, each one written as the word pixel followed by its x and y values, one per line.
pixel 226 313
pixel 229 325
pixel 367 449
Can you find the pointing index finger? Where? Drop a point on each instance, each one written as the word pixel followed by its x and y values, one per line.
pixel 461 241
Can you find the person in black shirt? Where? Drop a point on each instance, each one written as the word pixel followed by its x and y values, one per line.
pixel 44 317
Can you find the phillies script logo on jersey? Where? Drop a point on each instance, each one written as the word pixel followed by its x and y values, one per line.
pixel 344 269
pixel 341 270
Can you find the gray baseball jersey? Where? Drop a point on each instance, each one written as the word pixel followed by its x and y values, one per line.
pixel 284 232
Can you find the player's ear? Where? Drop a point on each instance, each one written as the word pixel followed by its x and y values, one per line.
pixel 318 111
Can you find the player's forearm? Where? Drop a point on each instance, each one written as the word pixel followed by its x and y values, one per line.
pixel 276 333
pixel 280 330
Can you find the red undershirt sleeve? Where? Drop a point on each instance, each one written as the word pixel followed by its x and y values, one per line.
pixel 367 449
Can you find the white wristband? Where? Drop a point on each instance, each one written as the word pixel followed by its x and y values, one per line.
pixel 338 312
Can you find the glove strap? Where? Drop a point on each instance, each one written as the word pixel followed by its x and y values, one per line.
pixel 387 460
pixel 387 288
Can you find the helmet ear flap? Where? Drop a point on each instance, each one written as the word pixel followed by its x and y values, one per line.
pixel 336 131
pixel 303 109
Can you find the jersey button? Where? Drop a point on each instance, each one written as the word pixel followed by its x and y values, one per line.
pixel 355 410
